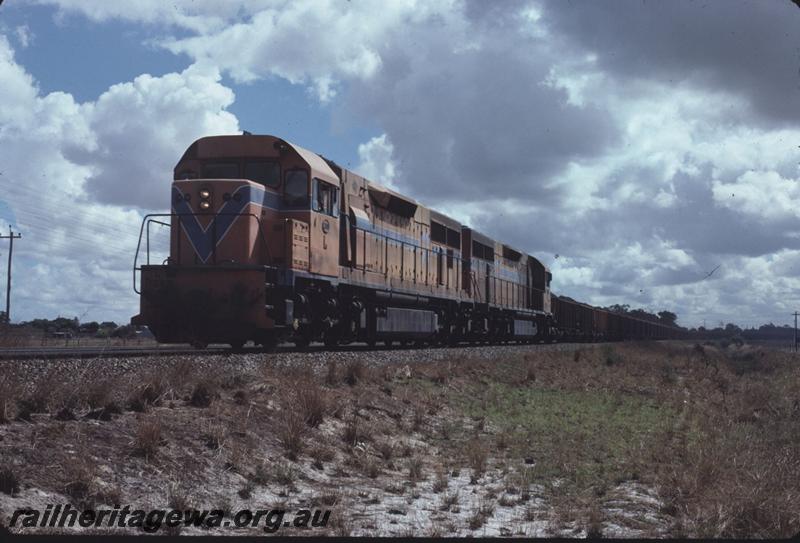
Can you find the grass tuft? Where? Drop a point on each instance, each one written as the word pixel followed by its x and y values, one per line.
pixel 354 372
pixel 291 431
pixel 148 437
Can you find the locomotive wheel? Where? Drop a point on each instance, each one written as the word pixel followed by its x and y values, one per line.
pixel 388 343
pixel 237 345
pixel 331 340
pixel 269 344
pixel 302 342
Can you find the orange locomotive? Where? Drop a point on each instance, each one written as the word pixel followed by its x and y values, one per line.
pixel 272 242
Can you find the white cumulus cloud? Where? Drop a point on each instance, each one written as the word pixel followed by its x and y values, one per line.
pixel 77 177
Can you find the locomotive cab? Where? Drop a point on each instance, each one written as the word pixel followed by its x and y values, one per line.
pixel 248 215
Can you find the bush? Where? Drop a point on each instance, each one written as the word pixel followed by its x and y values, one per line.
pixel 610 355
pixel 9 482
pixel 204 393
pixel 241 397
pixel 354 372
pixel 386 450
pixel 148 393
pixel 40 397
pixel 97 393
pixel 126 332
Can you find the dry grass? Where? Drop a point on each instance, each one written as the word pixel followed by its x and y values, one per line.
pixel 97 393
pixel 340 525
pixel 9 481
pixel 481 514
pixel 594 523
pixel 715 432
pixel 354 372
pixel 148 437
pixel 449 501
pixel 332 373
pixel 80 485
pixel 477 456
pixel 420 417
pixel 440 483
pixel 371 467
pixel 739 476
pixel 415 469
pixel 312 400
pixel 178 498
pixel 40 396
pixel 9 385
pixel 291 432
pixel 215 436
pixel 355 431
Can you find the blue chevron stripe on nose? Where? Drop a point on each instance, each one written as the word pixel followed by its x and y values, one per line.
pixel 201 238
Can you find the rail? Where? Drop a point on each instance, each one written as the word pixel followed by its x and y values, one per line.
pixel 151 218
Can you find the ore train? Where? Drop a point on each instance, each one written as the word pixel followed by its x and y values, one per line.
pixel 270 242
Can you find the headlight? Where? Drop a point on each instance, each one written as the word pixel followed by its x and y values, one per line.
pixel 204 205
pixel 204 194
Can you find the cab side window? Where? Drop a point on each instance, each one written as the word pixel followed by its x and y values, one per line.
pixel 326 198
pixel 295 188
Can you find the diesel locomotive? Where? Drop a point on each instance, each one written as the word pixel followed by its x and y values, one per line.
pixel 271 242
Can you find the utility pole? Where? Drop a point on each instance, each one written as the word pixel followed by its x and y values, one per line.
pixel 795 331
pixel 10 237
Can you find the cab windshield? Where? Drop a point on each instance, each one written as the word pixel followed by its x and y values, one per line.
pixel 266 172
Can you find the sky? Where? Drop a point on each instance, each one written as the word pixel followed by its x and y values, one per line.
pixel 632 146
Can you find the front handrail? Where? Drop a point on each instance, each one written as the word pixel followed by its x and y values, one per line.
pixel 150 218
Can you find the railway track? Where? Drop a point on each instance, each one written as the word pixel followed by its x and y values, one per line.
pixel 49 353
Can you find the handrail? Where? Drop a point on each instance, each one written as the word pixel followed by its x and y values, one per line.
pixel 149 218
